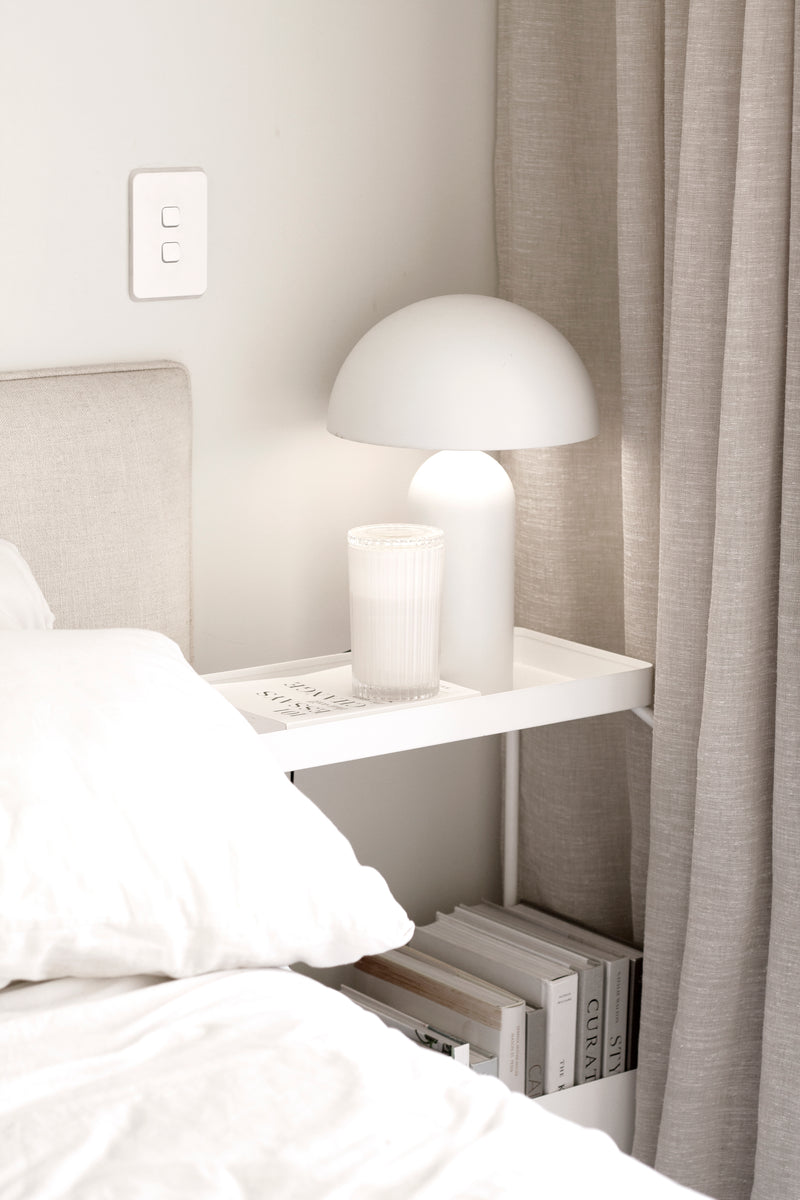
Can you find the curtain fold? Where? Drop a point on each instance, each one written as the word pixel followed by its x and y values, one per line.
pixel 777 1159
pixel 671 149
pixel 556 234
pixel 708 907
pixel 640 223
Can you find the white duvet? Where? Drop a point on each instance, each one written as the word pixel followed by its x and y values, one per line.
pixel 265 1084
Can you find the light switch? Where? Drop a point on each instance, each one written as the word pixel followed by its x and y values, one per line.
pixel 159 200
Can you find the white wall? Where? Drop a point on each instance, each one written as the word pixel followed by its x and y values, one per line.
pixel 348 148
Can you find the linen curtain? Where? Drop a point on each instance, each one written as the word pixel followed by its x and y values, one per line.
pixel 647 204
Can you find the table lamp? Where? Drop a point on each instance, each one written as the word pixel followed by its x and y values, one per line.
pixel 462 375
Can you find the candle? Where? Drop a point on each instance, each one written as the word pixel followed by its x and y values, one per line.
pixel 395 574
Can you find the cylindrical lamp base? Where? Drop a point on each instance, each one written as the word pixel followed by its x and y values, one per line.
pixel 470 496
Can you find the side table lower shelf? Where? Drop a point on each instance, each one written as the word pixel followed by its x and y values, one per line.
pixel 607 1104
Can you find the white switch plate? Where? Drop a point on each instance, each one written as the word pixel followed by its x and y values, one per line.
pixel 151 191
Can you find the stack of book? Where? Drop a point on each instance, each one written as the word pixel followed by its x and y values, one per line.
pixel 540 1001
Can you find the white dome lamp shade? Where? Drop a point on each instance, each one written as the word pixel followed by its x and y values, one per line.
pixel 461 375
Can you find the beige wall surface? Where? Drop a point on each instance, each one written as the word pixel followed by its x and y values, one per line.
pixel 348 147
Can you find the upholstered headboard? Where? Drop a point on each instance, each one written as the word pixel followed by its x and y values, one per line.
pixel 95 490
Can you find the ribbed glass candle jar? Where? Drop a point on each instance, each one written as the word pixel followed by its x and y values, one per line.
pixel 395 574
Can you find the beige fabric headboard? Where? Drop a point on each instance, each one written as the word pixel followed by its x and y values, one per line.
pixel 95 490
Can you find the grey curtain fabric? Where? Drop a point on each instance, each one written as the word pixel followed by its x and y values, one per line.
pixel 647 205
pixel 557 248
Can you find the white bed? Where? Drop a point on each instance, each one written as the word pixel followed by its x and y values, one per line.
pixel 160 876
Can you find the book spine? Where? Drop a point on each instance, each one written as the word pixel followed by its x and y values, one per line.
pixel 589 1050
pixel 616 1016
pixel 634 1013
pixel 562 1017
pixel 511 1055
pixel 535 1040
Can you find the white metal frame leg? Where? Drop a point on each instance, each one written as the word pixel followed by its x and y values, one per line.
pixel 511 818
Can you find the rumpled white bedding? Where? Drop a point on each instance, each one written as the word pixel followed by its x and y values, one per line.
pixel 265 1084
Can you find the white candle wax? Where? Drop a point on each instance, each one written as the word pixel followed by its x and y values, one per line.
pixel 395 576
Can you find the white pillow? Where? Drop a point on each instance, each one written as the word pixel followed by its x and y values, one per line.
pixel 22 605
pixel 145 829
